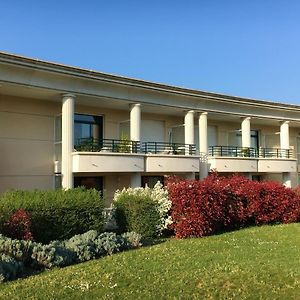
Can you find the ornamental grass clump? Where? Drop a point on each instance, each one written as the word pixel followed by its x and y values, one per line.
pixel 143 210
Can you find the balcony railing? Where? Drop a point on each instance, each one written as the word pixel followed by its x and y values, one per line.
pixel 107 145
pixel 232 151
pixel 168 148
pixel 275 152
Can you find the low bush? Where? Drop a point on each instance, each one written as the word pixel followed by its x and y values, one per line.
pixel 55 215
pixel 218 204
pixel 16 255
pixel 132 240
pixel 143 210
pixel 10 268
pixel 91 245
pixel 18 249
pixel 51 255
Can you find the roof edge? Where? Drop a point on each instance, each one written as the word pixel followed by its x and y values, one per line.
pixel 58 67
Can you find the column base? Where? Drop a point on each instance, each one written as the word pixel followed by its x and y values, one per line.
pixel 286 179
pixel 135 180
pixel 203 171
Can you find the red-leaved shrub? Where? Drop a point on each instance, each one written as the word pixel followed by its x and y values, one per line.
pixel 18 226
pixel 271 202
pixel 218 204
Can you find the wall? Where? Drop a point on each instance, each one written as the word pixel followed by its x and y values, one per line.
pixel 26 143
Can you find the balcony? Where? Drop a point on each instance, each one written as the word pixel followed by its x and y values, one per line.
pixel 247 159
pixel 107 156
pixel 107 145
pixel 111 155
pixel 168 148
pixel 170 157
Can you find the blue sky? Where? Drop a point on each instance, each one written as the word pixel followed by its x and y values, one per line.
pixel 242 48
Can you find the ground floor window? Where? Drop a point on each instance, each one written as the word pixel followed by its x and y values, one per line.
pixel 256 177
pixel 90 182
pixel 150 181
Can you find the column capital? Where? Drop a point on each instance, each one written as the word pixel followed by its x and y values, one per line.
pixel 68 95
pixel 134 105
pixel 202 113
pixel 190 111
pixel 246 118
pixel 284 122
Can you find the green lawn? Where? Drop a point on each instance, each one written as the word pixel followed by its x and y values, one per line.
pixel 255 263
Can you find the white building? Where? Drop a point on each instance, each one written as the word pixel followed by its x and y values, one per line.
pixel 60 123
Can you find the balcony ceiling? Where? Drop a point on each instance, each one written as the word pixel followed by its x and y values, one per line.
pixel 86 100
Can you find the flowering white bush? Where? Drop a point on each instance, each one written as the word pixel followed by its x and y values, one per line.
pixel 159 195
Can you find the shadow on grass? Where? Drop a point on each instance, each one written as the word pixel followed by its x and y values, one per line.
pixel 153 242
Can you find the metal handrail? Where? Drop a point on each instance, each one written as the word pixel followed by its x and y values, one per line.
pixel 275 152
pixel 107 145
pixel 235 151
pixel 168 148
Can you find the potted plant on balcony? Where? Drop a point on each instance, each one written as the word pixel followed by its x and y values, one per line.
pixel 124 146
pixel 245 152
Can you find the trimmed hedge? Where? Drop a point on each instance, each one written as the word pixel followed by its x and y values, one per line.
pixel 55 215
pixel 218 204
pixel 137 213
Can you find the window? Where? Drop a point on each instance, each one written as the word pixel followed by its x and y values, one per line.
pixel 256 177
pixel 87 127
pixel 92 182
pixel 235 139
pixel 150 181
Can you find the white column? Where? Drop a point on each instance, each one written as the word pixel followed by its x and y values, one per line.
pixel 285 144
pixel 286 178
pixel 203 145
pixel 135 122
pixel 284 135
pixel 67 140
pixel 189 129
pixel 246 132
pixel 135 135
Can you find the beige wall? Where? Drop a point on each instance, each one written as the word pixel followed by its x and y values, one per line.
pixel 113 182
pixel 26 143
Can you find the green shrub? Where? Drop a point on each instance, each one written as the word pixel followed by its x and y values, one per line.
pixel 137 213
pixel 52 255
pixel 15 255
pixel 55 215
pixel 19 249
pixel 159 198
pixel 132 240
pixel 108 243
pixel 91 245
pixel 83 245
pixel 10 268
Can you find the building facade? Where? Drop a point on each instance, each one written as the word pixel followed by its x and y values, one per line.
pixel 65 126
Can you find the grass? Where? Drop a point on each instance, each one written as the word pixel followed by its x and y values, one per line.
pixel 254 263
